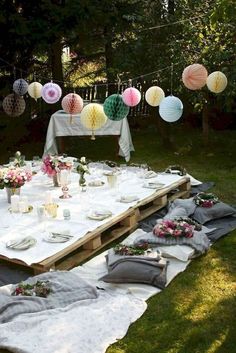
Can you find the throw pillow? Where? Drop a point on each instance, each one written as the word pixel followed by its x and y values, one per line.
pixel 219 210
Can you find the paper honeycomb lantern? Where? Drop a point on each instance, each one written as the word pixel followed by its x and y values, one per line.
pixel 13 105
pixel 114 107
pixel 194 76
pixel 72 103
pixel 35 90
pixel 51 93
pixel 131 96
pixel 20 87
pixel 216 82
pixel 93 117
pixel 154 96
pixel 171 109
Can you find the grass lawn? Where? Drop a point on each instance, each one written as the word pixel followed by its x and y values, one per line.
pixel 196 313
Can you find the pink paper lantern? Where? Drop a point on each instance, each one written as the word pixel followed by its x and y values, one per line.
pixel 51 93
pixel 194 76
pixel 72 103
pixel 131 96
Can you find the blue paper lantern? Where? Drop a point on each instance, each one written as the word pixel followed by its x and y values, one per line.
pixel 171 109
pixel 115 108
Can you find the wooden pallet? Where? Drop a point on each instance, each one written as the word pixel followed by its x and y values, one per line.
pixel 122 224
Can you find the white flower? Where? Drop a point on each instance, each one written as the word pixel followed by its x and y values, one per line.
pixel 83 160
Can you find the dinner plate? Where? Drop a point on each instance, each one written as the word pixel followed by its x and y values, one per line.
pixel 96 183
pixel 153 185
pixel 52 237
pixel 128 198
pixel 21 243
pixel 150 174
pixel 99 215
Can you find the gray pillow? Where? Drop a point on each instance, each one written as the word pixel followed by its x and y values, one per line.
pixel 177 211
pixel 136 270
pixel 219 210
pixel 188 204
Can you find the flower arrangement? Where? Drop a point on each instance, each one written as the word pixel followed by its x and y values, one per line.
pixel 82 168
pixel 19 160
pixel 173 229
pixel 53 164
pixel 197 226
pixel 205 199
pixel 14 177
pixel 122 249
pixel 39 289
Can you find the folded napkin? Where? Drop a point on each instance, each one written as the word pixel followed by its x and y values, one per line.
pixel 99 214
pixel 128 198
pixel 21 243
pixel 153 185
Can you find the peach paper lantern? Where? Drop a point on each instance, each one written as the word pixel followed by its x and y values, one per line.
pixel 131 96
pixel 35 90
pixel 93 117
pixel 194 76
pixel 217 82
pixel 13 105
pixel 51 93
pixel 154 96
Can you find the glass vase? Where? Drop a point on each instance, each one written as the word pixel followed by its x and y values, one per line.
pixel 12 191
pixel 82 182
pixel 56 180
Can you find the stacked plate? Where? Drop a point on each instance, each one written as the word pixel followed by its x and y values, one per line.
pixel 128 198
pixel 99 215
pixel 58 237
pixel 153 185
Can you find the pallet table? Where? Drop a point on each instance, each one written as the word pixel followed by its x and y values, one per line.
pixel 118 226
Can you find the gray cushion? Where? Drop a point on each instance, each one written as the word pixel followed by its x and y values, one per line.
pixel 219 210
pixel 188 204
pixel 135 270
pixel 175 212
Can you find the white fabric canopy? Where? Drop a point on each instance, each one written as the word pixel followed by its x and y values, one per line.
pixel 59 125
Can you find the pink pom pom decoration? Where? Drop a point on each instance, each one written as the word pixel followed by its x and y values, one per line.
pixel 51 93
pixel 131 96
pixel 72 103
pixel 194 76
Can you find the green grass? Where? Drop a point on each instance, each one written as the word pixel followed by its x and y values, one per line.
pixel 196 313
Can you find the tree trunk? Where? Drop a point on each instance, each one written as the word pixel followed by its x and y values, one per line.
pixel 56 61
pixel 205 124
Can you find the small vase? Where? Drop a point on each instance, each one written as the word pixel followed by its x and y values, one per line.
pixel 82 182
pixel 55 179
pixel 12 191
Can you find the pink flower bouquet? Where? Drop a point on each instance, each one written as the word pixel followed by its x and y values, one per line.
pixel 16 177
pixel 173 228
pixel 53 164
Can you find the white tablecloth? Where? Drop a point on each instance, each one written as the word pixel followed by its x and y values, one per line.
pixel 59 125
pixel 16 225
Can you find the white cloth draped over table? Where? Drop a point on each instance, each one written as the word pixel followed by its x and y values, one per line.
pixel 59 125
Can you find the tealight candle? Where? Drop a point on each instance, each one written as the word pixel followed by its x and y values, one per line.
pixel 15 203
pixel 48 197
pixel 64 177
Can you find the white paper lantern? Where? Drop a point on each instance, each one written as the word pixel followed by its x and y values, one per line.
pixel 35 90
pixel 51 93
pixel 217 82
pixel 154 96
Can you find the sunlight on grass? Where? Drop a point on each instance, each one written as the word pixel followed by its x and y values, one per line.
pixel 217 343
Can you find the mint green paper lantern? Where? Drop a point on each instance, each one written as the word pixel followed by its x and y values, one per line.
pixel 114 107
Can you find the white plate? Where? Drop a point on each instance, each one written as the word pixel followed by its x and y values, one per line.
pixel 96 183
pixel 57 238
pixel 153 185
pixel 21 243
pixel 150 174
pixel 128 198
pixel 99 215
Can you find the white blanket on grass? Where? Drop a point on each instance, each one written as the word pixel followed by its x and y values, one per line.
pixel 89 325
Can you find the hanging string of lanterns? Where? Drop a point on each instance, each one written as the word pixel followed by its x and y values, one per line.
pixel 116 106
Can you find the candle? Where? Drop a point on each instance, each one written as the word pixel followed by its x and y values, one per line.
pixel 48 197
pixel 15 203
pixel 24 199
pixel 64 177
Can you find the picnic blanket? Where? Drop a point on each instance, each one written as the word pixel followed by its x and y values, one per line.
pixel 65 289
